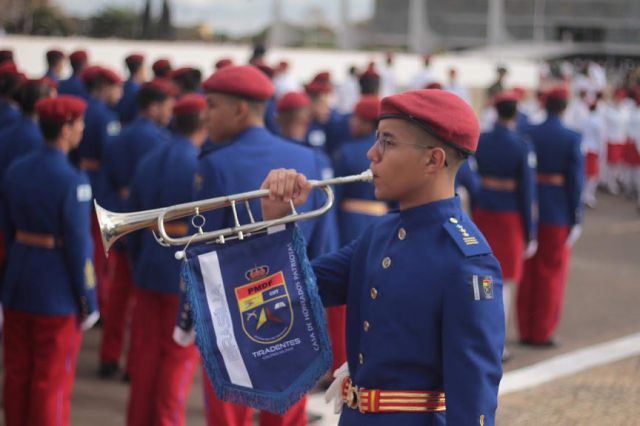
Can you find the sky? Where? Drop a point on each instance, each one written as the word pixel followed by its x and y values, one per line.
pixel 235 17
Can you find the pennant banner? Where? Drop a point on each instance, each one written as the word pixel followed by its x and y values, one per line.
pixel 260 323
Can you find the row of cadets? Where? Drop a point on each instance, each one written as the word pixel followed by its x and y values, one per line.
pixel 593 140
pixel 74 85
pixel 504 207
pixel 615 118
pixel 128 106
pixel 162 371
pixel 49 292
pixel 356 202
pixel 425 325
pixel 23 136
pixel 10 81
pixel 294 117
pixel 101 126
pixel 632 152
pixel 560 176
pixel 236 98
pixel 155 101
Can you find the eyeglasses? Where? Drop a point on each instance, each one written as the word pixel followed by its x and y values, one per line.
pixel 383 143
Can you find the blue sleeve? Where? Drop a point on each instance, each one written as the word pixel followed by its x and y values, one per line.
pixel 209 183
pixel 133 204
pixel 5 215
pixel 527 192
pixel 78 246
pixel 332 274
pixel 473 332
pixel 575 181
pixel 325 238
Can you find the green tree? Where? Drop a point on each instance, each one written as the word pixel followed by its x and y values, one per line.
pixel 146 23
pixel 114 22
pixel 165 28
pixel 43 20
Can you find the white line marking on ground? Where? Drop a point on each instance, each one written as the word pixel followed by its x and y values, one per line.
pixel 570 363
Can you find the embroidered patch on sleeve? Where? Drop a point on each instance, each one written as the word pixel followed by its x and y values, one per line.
pixel 83 192
pixel 481 287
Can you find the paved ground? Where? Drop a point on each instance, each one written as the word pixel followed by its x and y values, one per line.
pixel 601 304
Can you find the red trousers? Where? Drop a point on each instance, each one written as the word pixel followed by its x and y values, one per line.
pixel 220 413
pixel 40 354
pixel 118 309
pixel 161 371
pixel 591 165
pixel 615 153
pixel 336 320
pixel 505 234
pixel 541 292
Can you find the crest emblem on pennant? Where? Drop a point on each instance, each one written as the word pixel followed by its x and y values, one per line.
pixel 265 306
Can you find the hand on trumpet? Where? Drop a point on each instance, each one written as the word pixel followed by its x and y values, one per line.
pixel 284 185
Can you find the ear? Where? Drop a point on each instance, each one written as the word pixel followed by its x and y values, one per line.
pixel 434 159
pixel 241 110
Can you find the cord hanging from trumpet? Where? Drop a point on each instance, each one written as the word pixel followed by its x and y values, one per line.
pixel 197 221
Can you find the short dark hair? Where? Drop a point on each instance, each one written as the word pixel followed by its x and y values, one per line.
pixel 149 95
pixel 50 129
pixel 188 124
pixel 369 84
pixel 77 65
pixel 30 94
pixel 133 66
pixel 54 58
pixel 555 106
pixel 10 84
pixel 507 110
pixel 189 81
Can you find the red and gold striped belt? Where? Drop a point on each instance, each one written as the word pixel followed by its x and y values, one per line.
pixel 391 401
pixel 555 179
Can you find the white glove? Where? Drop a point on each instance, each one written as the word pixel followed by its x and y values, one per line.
pixel 574 234
pixel 334 392
pixel 184 338
pixel 531 249
pixel 90 321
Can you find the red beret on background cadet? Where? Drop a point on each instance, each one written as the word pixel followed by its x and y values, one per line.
pixel 434 85
pixel 245 81
pixel 292 101
pixel 134 58
pixel 521 92
pixel 560 92
pixel 8 68
pixel 6 55
pixel 161 67
pixel 161 85
pixel 54 54
pixel 266 69
pixel 178 72
pixel 442 114
pixel 191 103
pixel 78 56
pixel 321 83
pixel 368 108
pixel 97 72
pixel 506 96
pixel 224 62
pixel 62 109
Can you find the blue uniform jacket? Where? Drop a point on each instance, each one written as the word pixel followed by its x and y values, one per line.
pixel 351 159
pixel 468 178
pixel 18 140
pixel 128 106
pixel 44 194
pixel 558 152
pixel 123 155
pixel 101 126
pixel 330 135
pixel 242 166
pixel 8 115
pixel 164 178
pixel 53 76
pixel 505 155
pixel 73 86
pixel 426 285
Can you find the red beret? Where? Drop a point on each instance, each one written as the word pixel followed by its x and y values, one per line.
pixel 190 104
pixel 620 93
pixel 558 92
pixel 160 65
pixel 316 87
pixel 266 69
pixel 161 85
pixel 506 96
pixel 180 71
pixel 134 58
pixel 55 53
pixel 45 81
pixel 292 101
pixel 368 108
pixel 322 77
pixel 79 56
pixel 371 70
pixel 94 72
pixel 246 81
pixel 520 91
pixel 442 114
pixel 434 85
pixel 6 55
pixel 8 68
pixel 224 62
pixel 62 109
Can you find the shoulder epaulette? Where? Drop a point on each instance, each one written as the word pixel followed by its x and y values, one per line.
pixel 467 238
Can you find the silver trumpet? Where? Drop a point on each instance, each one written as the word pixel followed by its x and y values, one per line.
pixel 113 225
